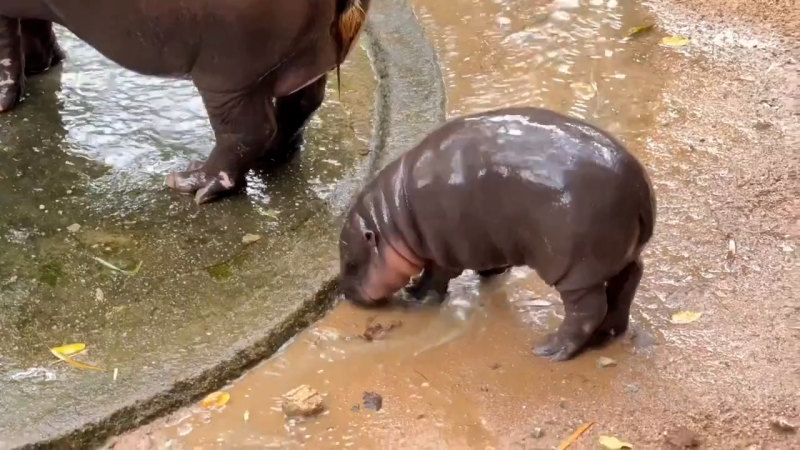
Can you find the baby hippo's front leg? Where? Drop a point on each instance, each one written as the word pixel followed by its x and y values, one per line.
pixel 433 283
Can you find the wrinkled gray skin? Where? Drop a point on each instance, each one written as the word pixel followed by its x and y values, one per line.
pixel 260 66
pixel 510 187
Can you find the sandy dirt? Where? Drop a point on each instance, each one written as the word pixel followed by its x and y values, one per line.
pixel 716 123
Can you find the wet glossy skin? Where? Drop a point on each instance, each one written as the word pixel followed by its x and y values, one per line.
pixel 510 187
pixel 260 67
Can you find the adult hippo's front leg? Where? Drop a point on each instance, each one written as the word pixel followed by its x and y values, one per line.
pixel 39 45
pixel 12 64
pixel 27 47
pixel 243 124
pixel 292 114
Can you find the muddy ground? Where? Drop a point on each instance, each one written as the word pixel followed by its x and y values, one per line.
pixel 716 123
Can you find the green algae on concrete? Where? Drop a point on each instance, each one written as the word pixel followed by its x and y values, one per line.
pixel 90 146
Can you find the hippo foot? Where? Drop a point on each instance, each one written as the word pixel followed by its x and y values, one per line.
pixel 44 61
pixel 489 273
pixel 12 84
pixel 281 154
pixel 10 93
pixel 415 294
pixel 556 348
pixel 204 186
pixel 612 328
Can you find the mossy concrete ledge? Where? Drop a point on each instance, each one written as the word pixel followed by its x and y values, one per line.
pixel 409 103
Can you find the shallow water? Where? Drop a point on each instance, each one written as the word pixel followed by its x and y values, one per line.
pixel 90 147
pixel 447 371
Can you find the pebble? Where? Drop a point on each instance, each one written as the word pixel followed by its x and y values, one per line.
pixel 302 401
pixel 250 238
pixel 373 401
pixel 605 361
pixel 783 424
pixel 74 228
pixel 537 433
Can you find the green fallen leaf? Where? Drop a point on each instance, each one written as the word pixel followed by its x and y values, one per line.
pixel 674 41
pixel 612 443
pixel 633 31
pixel 684 317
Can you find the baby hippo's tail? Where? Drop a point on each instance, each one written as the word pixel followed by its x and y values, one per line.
pixel 647 211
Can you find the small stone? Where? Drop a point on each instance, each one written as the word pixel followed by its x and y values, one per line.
pixel 99 295
pixel 537 433
pixel 682 437
pixel 604 361
pixel 782 424
pixel 74 228
pixel 373 401
pixel 632 388
pixel 41 207
pixel 355 408
pixel 251 238
pixel 495 366
pixel 302 401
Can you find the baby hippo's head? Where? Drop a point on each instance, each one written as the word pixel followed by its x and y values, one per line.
pixel 371 269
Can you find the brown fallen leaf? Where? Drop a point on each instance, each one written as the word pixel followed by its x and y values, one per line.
pixel 378 331
pixel 216 399
pixel 574 436
pixel 612 443
pixel 74 363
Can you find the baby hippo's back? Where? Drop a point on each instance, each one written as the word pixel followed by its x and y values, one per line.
pixel 525 186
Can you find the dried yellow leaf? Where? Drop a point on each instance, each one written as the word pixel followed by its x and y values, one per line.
pixel 216 399
pixel 612 443
pixel 574 436
pixel 674 41
pixel 74 363
pixel 684 317
pixel 251 238
pixel 69 349
pixel 633 31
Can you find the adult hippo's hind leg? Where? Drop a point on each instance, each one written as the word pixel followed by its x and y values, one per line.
pixel 585 310
pixel 291 116
pixel 12 77
pixel 243 124
pixel 39 45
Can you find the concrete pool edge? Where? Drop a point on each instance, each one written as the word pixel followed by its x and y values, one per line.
pixel 409 101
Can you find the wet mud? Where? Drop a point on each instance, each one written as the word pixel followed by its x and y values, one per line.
pixel 715 126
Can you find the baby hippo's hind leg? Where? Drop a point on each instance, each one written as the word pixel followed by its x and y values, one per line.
pixel 620 291
pixel 585 310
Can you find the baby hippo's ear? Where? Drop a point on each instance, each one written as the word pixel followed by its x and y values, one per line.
pixel 371 238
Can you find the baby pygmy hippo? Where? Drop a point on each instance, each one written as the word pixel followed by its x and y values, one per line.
pixel 510 187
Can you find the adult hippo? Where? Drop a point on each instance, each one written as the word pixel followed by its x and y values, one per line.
pixel 260 66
